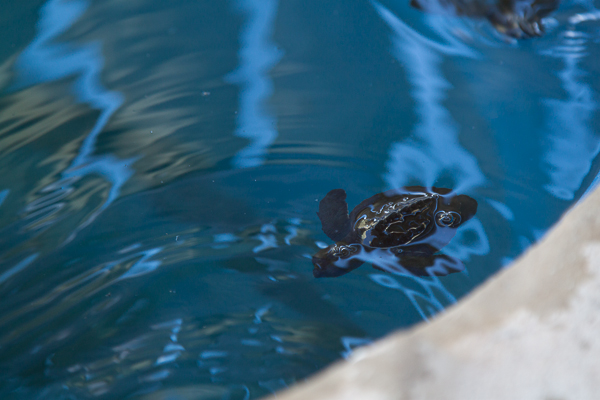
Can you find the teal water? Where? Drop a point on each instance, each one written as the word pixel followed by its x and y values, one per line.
pixel 162 164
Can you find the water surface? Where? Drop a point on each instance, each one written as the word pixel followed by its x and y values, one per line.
pixel 162 164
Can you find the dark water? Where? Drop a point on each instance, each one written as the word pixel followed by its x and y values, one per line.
pixel 162 163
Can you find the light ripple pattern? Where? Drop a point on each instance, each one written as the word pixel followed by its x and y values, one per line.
pixel 257 56
pixel 46 59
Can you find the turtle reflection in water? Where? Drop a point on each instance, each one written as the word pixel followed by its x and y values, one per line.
pixel 398 230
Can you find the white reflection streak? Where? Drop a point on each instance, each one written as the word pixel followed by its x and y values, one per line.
pixel 172 350
pixel 144 265
pixel 438 148
pixel 3 194
pixel 572 144
pixel 17 268
pixel 258 55
pixel 46 59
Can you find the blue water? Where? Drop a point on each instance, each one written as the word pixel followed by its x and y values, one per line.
pixel 162 164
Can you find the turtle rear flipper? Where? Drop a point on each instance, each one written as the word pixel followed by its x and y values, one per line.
pixel 426 264
pixel 333 213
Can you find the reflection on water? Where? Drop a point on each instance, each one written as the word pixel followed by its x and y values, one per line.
pixel 425 298
pixel 436 152
pixel 573 144
pixel 17 268
pixel 44 61
pixel 257 56
pixel 163 163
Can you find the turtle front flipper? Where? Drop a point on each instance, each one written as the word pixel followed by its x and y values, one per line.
pixel 336 260
pixel 333 213
pixel 423 264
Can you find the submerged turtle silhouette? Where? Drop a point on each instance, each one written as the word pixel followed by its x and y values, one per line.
pixel 399 230
pixel 515 18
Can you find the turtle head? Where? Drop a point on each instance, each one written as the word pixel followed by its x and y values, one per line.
pixel 336 260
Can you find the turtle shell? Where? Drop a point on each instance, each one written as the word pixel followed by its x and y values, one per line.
pixel 406 216
pixel 395 221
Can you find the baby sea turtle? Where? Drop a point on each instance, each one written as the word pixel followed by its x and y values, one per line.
pixel 398 230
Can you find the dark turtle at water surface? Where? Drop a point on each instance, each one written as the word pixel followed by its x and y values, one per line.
pixel 515 18
pixel 399 230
